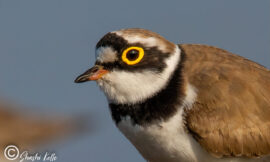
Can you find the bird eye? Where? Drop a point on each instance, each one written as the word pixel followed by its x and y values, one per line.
pixel 132 55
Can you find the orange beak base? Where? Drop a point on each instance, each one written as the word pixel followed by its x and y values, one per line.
pixel 98 74
pixel 94 73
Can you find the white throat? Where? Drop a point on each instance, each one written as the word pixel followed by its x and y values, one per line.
pixel 123 87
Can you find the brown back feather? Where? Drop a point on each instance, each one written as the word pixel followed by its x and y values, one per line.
pixel 231 116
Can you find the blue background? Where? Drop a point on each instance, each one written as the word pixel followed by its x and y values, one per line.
pixel 45 44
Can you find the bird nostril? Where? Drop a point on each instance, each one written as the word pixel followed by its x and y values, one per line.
pixel 95 69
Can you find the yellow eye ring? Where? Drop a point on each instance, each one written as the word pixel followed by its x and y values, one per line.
pixel 132 51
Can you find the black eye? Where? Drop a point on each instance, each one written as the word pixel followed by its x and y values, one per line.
pixel 132 54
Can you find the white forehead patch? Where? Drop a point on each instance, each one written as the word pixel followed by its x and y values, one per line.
pixel 106 54
pixel 146 41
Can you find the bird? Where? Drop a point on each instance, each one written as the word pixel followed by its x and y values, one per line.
pixel 183 102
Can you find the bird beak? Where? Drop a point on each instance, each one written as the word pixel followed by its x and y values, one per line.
pixel 95 73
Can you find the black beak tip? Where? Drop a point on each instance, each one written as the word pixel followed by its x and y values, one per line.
pixel 80 79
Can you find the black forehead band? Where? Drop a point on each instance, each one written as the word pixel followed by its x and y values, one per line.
pixel 151 61
pixel 112 40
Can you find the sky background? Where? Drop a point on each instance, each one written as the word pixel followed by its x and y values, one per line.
pixel 45 44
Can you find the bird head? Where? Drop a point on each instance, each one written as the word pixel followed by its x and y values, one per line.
pixel 132 65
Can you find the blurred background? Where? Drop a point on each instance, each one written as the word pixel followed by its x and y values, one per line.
pixel 45 44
